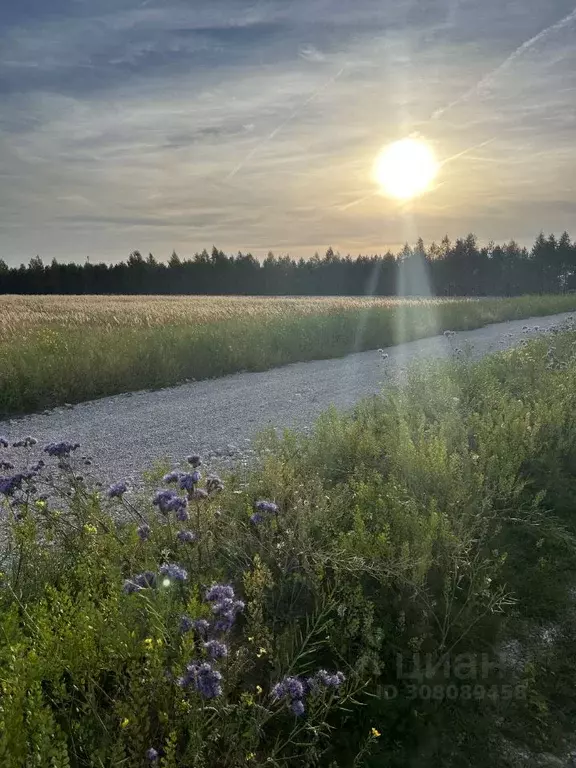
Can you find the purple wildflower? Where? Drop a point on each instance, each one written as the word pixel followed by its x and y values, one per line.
pixel 330 681
pixel 6 465
pixel 61 449
pixel 266 506
pixel 201 626
pixel 188 481
pixel 195 460
pixel 256 518
pixel 215 649
pixel 10 484
pixel 152 754
pixel 297 707
pixel 178 504
pixel 186 623
pixel 182 514
pixel 186 537
pixel 219 592
pixel 162 500
pixel 173 571
pixel 288 688
pixel 38 466
pixel 226 611
pixel 146 579
pixel 171 477
pixel 139 582
pixel 278 692
pixel 207 680
pixel 117 490
pixel 293 687
pixel 225 607
pixel 144 532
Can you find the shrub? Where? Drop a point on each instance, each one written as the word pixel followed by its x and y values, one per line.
pixel 278 623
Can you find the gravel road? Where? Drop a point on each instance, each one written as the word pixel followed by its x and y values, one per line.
pixel 126 434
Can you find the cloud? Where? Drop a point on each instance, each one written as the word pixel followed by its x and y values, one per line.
pixel 312 54
pixel 254 124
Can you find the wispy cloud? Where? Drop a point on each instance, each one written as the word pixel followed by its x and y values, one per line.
pixel 484 85
pixel 254 124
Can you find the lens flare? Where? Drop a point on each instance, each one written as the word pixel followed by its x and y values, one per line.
pixel 405 169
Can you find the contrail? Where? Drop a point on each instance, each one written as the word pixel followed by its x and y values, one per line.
pixel 283 125
pixel 466 151
pixel 520 51
pixel 356 202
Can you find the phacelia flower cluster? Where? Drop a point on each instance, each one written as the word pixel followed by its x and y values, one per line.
pixel 199 625
pixel 204 678
pixel 169 501
pixel 117 490
pixel 12 483
pixel 215 649
pixel 173 571
pixel 188 481
pixel 262 510
pixel 145 580
pixel 266 507
pixel 149 580
pixel 294 690
pixel 225 607
pixel 186 537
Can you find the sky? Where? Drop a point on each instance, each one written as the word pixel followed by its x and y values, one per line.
pixel 254 124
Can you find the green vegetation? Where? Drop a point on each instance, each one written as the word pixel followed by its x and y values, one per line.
pixel 55 350
pixel 436 519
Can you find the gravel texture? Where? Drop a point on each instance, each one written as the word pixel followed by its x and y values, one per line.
pixel 127 434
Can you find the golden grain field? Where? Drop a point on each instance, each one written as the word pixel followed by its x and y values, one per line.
pixel 59 349
pixel 24 313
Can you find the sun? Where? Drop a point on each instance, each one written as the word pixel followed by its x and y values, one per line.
pixel 405 169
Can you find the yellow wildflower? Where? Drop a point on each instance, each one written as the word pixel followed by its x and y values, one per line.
pixel 90 528
pixel 375 733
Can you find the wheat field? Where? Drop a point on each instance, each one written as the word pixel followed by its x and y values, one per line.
pixel 59 349
pixel 24 313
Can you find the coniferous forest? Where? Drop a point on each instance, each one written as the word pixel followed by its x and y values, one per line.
pixel 460 268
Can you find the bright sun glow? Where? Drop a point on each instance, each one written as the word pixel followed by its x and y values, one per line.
pixel 405 169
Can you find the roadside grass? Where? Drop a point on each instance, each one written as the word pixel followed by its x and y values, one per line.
pixel 56 350
pixel 423 545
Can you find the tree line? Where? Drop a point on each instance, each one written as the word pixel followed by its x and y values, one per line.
pixel 460 268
